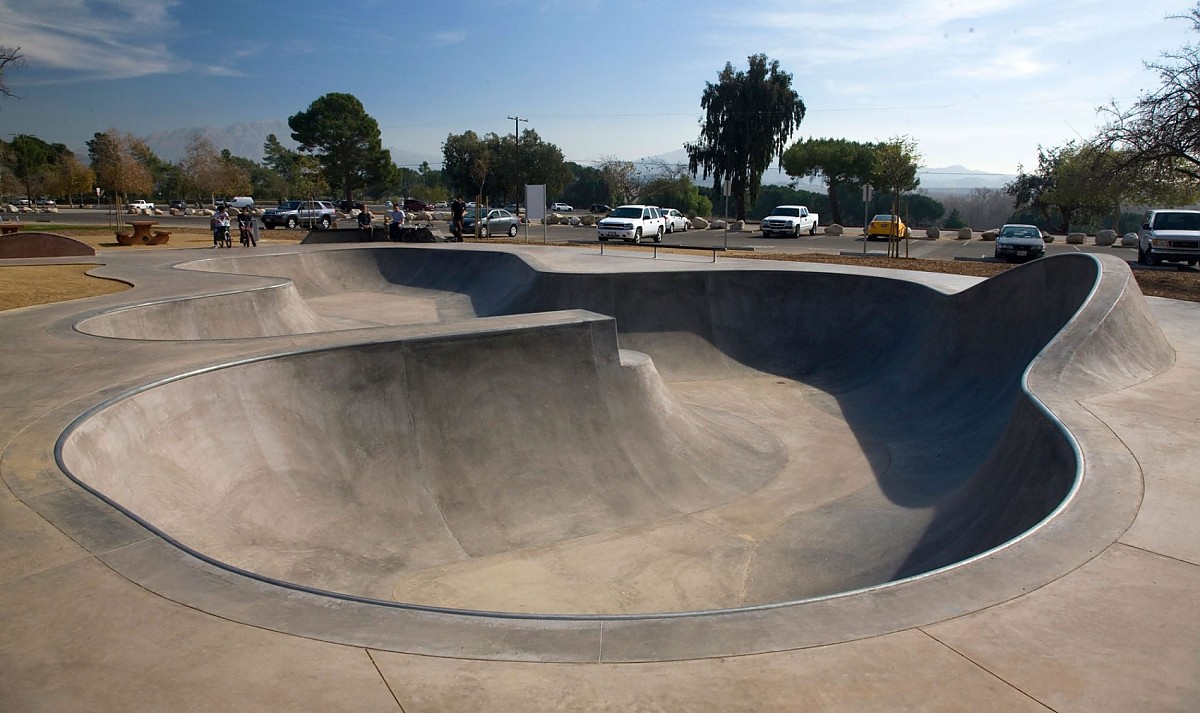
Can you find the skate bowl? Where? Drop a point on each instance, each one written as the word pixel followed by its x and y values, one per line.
pixel 495 447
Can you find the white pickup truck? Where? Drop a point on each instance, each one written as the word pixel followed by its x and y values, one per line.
pixel 140 206
pixel 789 221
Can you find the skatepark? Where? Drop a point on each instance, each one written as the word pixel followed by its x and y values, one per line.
pixel 462 477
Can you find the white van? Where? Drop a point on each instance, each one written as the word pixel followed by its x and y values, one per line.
pixel 240 202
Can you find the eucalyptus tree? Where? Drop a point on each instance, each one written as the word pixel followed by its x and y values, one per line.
pixel 749 116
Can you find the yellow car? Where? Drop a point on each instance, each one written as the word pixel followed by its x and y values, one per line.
pixel 886 225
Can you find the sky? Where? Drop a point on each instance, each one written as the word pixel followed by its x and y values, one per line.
pixel 979 83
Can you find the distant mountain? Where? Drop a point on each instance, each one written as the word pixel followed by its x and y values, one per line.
pixel 933 180
pixel 244 139
pixel 247 139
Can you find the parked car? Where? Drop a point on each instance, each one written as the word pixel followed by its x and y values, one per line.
pixel 293 214
pixel 789 221
pixel 886 225
pixel 632 223
pixel 599 208
pixel 135 206
pixel 414 204
pixel 1019 242
pixel 560 208
pixel 46 202
pixel 346 206
pixel 178 204
pixel 496 221
pixel 239 202
pixel 1169 236
pixel 676 220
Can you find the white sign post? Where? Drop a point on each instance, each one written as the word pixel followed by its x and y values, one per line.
pixel 535 208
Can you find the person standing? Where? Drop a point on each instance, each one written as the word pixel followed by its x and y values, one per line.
pixel 458 209
pixel 395 222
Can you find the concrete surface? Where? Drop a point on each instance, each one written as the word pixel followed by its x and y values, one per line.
pixel 32 243
pixel 674 486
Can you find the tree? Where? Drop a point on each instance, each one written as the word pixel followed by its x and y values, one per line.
pixel 27 160
pixel 622 179
pixel 837 161
pixel 10 58
pixel 203 169
pixel 276 156
pixel 896 164
pixel 586 186
pixel 345 139
pixel 1161 131
pixel 70 178
pixel 749 116
pixel 115 160
pixel 466 162
pixel 679 193
pixel 1065 186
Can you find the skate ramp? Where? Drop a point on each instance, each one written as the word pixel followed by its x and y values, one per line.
pixel 616 444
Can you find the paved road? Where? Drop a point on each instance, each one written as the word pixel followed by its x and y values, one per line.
pixel 942 249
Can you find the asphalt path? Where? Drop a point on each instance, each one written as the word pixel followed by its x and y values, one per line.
pixel 942 249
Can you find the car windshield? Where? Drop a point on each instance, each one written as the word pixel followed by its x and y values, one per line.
pixel 626 212
pixel 784 210
pixel 1177 221
pixel 290 205
pixel 882 218
pixel 1011 231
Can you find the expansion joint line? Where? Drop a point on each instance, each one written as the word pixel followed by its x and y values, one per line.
pixel 986 670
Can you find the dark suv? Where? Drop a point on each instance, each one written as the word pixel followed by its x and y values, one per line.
pixel 294 214
pixel 417 205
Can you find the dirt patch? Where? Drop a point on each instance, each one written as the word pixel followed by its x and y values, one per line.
pixel 27 285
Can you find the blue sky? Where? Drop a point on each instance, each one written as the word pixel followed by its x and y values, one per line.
pixel 980 83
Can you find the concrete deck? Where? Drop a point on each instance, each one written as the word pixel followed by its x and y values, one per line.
pixel 461 477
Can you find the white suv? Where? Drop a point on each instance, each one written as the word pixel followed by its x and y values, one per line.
pixel 631 223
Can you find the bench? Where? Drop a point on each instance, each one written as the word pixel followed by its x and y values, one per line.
pixel 159 237
pixel 673 246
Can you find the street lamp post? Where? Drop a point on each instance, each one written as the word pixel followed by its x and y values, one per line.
pixel 517 161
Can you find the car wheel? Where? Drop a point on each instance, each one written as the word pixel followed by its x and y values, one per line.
pixel 325 223
pixel 685 226
pixel 813 229
pixel 292 222
pixel 671 227
pixel 658 236
pixel 637 235
pixel 512 231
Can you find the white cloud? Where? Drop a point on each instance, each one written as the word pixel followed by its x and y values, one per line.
pixel 118 39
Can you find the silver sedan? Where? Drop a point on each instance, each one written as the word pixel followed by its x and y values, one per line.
pixel 495 222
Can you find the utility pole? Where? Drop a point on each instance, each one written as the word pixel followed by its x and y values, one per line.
pixel 517 162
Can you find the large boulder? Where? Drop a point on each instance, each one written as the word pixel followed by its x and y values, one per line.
pixel 1047 238
pixel 1129 240
pixel 588 220
pixel 1076 238
pixel 988 235
pixel 699 223
pixel 834 229
pixel 933 233
pixel 717 224
pixel 964 233
pixel 737 226
pixel 1105 238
